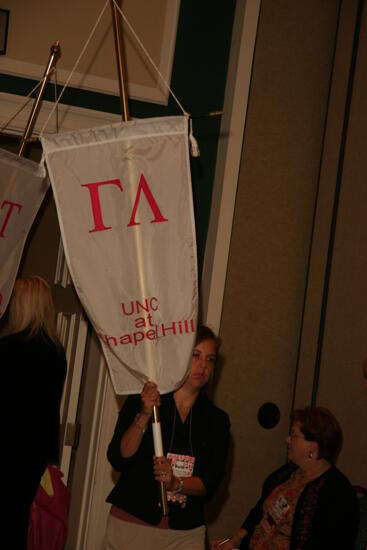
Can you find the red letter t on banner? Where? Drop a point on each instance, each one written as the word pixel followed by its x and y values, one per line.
pixel 11 206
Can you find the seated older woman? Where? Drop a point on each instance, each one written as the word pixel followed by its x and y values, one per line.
pixel 308 503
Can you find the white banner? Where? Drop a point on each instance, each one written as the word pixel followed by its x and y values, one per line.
pixel 22 188
pixel 124 201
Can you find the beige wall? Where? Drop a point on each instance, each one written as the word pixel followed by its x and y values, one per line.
pixel 73 24
pixel 276 270
pixel 345 342
pixel 88 59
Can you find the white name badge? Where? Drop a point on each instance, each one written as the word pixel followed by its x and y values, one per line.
pixel 279 510
pixel 182 466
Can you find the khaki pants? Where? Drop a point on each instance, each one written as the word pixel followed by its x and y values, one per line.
pixel 121 535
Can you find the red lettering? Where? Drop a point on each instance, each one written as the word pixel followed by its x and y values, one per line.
pixel 151 334
pixel 139 306
pixel 165 329
pixel 124 310
pixel 151 304
pixel 107 339
pixel 8 214
pixel 175 328
pixel 96 204
pixel 140 322
pixel 138 337
pixel 125 339
pixel 158 218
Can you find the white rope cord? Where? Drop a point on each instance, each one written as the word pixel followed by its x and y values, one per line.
pixel 150 58
pixel 193 143
pixel 194 147
pixel 24 105
pixel 75 65
pixel 57 106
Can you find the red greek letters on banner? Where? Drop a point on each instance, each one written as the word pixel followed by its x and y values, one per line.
pixel 124 201
pixel 97 210
pixel 158 218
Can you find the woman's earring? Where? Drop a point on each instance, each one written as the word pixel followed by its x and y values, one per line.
pixel 310 455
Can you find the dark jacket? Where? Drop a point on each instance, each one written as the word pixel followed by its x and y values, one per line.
pixel 136 491
pixel 326 515
pixel 33 370
pixel 33 374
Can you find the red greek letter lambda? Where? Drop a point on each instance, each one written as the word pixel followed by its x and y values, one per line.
pixel 96 204
pixel 152 203
pixel 8 214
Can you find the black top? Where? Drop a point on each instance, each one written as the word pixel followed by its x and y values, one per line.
pixel 33 374
pixel 326 514
pixel 137 492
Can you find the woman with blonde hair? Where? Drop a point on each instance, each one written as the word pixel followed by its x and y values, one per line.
pixel 33 373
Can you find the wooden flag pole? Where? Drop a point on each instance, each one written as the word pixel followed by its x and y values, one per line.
pixel 54 57
pixel 156 426
pixel 117 31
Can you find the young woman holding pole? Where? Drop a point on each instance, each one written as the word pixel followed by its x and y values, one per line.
pixel 195 437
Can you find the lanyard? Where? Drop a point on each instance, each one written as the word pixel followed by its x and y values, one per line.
pixel 174 428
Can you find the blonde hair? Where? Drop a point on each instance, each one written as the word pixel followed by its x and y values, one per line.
pixel 31 307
